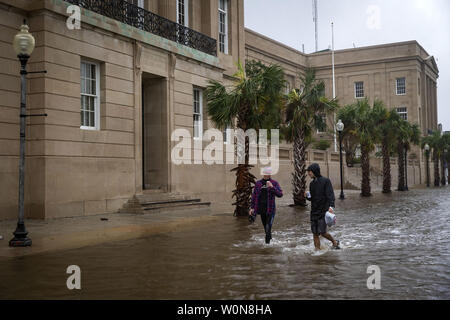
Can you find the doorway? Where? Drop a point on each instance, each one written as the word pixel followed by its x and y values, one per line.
pixel 155 139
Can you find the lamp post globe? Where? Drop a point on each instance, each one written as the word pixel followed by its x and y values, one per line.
pixel 340 126
pixel 24 41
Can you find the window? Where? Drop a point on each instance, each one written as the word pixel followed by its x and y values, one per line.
pixel 90 95
pixel 182 12
pixel 401 86
pixel 139 3
pixel 359 89
pixel 132 11
pixel 323 127
pixel 223 26
pixel 227 134
pixel 198 114
pixel 288 87
pixel 403 112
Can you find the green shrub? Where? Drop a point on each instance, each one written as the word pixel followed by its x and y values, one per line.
pixel 322 145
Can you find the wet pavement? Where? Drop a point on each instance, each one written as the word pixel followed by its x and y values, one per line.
pixel 405 234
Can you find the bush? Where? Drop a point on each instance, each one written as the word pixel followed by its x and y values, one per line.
pixel 322 145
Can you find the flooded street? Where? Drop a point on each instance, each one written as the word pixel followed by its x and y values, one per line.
pixel 407 235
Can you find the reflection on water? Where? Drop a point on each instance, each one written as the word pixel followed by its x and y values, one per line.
pixel 406 235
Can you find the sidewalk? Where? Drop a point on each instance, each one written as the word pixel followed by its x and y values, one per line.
pixel 77 232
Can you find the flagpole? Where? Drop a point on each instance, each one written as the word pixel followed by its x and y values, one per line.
pixel 334 82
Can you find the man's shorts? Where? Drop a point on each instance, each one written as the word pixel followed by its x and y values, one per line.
pixel 319 227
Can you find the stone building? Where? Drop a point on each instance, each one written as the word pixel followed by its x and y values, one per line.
pixel 117 87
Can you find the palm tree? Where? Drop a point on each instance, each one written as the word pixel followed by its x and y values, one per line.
pixel 252 100
pixel 414 134
pixel 434 141
pixel 443 146
pixel 347 114
pixel 385 135
pixel 446 153
pixel 446 138
pixel 406 134
pixel 304 112
pixel 366 122
pixel 401 136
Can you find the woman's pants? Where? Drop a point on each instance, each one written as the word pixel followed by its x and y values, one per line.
pixel 267 222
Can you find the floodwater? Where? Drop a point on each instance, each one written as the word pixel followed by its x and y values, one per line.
pixel 407 235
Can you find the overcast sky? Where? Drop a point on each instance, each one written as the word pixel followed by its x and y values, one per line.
pixel 361 23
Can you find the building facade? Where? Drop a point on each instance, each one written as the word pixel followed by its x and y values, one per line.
pixel 118 86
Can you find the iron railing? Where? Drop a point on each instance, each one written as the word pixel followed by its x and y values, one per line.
pixel 135 16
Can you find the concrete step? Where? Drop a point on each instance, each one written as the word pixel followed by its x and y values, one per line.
pixel 176 206
pixel 186 210
pixel 161 201
pixel 169 202
pixel 159 196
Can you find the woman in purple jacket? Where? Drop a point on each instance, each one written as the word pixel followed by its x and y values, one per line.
pixel 263 201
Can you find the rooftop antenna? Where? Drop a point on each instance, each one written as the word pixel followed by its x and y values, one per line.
pixel 316 23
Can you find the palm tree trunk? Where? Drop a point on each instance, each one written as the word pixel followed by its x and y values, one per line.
pixel 244 181
pixel 299 174
pixel 443 182
pixel 349 153
pixel 365 167
pixel 386 167
pixel 243 191
pixel 436 170
pixel 401 167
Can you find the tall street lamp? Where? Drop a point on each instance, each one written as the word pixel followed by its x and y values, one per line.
pixel 23 46
pixel 406 169
pixel 427 156
pixel 340 128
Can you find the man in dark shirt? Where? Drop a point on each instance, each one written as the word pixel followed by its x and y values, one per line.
pixel 322 200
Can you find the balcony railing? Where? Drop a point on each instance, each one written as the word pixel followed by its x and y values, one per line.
pixel 135 16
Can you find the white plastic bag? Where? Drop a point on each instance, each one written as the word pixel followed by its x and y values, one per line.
pixel 330 219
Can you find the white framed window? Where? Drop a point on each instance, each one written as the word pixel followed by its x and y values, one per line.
pixel 359 89
pixel 403 112
pixel 400 86
pixel 223 26
pixel 198 113
pixel 90 95
pixel 183 12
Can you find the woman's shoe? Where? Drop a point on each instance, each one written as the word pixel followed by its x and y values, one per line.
pixel 336 247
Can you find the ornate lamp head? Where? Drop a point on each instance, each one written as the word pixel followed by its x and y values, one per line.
pixel 24 41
